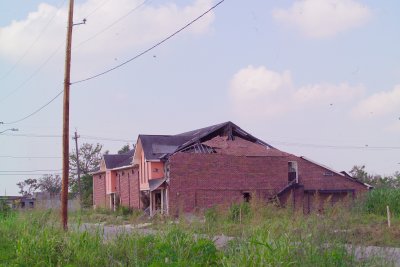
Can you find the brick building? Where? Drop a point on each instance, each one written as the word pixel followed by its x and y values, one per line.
pixel 220 164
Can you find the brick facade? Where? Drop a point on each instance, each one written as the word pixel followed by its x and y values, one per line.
pixel 99 190
pixel 128 187
pixel 204 180
pixel 215 165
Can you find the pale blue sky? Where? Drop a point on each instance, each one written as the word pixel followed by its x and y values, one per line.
pixel 314 78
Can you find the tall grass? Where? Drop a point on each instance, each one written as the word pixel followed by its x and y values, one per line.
pixel 377 200
pixel 263 236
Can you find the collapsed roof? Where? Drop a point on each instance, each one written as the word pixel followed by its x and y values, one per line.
pixel 224 138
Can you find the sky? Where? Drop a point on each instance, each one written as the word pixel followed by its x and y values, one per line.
pixel 315 78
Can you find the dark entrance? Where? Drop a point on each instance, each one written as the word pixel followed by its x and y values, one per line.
pixel 246 197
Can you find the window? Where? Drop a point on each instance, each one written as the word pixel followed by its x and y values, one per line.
pixel 292 172
pixel 246 196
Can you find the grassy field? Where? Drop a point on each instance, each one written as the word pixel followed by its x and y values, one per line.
pixel 263 236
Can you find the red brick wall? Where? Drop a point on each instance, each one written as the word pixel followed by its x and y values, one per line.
pixel 204 180
pixel 99 190
pixel 312 176
pixel 128 187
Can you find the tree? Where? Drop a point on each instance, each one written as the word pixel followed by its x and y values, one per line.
pixel 50 183
pixel 124 149
pixel 359 173
pixel 87 190
pixel 28 187
pixel 89 160
pixel 377 181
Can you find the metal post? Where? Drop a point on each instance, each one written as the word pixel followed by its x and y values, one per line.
pixel 65 138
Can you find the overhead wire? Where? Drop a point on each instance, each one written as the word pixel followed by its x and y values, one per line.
pixel 25 171
pixel 30 174
pixel 34 73
pixel 151 48
pixel 105 139
pixel 88 137
pixel 97 8
pixel 366 147
pixel 36 111
pixel 30 157
pixel 122 64
pixel 284 143
pixel 37 70
pixel 111 25
pixel 33 43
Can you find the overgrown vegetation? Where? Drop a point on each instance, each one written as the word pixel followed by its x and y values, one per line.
pixel 261 236
pixel 377 200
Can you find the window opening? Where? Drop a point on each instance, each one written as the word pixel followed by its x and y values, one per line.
pixel 292 172
pixel 246 197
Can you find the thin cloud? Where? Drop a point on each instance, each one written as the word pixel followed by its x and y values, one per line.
pixel 267 93
pixel 326 93
pixel 143 27
pixel 323 19
pixel 379 104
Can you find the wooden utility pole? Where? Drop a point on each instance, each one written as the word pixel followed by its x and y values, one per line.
pixel 65 140
pixel 78 169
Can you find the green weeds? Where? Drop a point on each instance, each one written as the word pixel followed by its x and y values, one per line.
pixel 263 235
pixel 377 200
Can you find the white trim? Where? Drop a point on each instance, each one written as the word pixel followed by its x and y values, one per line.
pixel 162 201
pixel 120 168
pixel 166 201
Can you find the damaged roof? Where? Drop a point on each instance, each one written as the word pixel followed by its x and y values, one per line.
pixel 156 146
pixel 226 137
pixel 242 147
pixel 113 161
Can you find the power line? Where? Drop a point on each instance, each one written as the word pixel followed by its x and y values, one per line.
pixel 32 44
pixel 120 65
pixel 97 8
pixel 36 111
pixel 151 48
pixel 112 24
pixel 30 157
pixel 34 73
pixel 30 174
pixel 284 143
pixel 34 135
pixel 105 139
pixel 87 137
pixel 366 147
pixel 27 171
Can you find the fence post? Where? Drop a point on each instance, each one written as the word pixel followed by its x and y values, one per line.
pixel 388 215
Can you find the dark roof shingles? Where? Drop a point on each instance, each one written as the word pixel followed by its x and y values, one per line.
pixel 118 160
